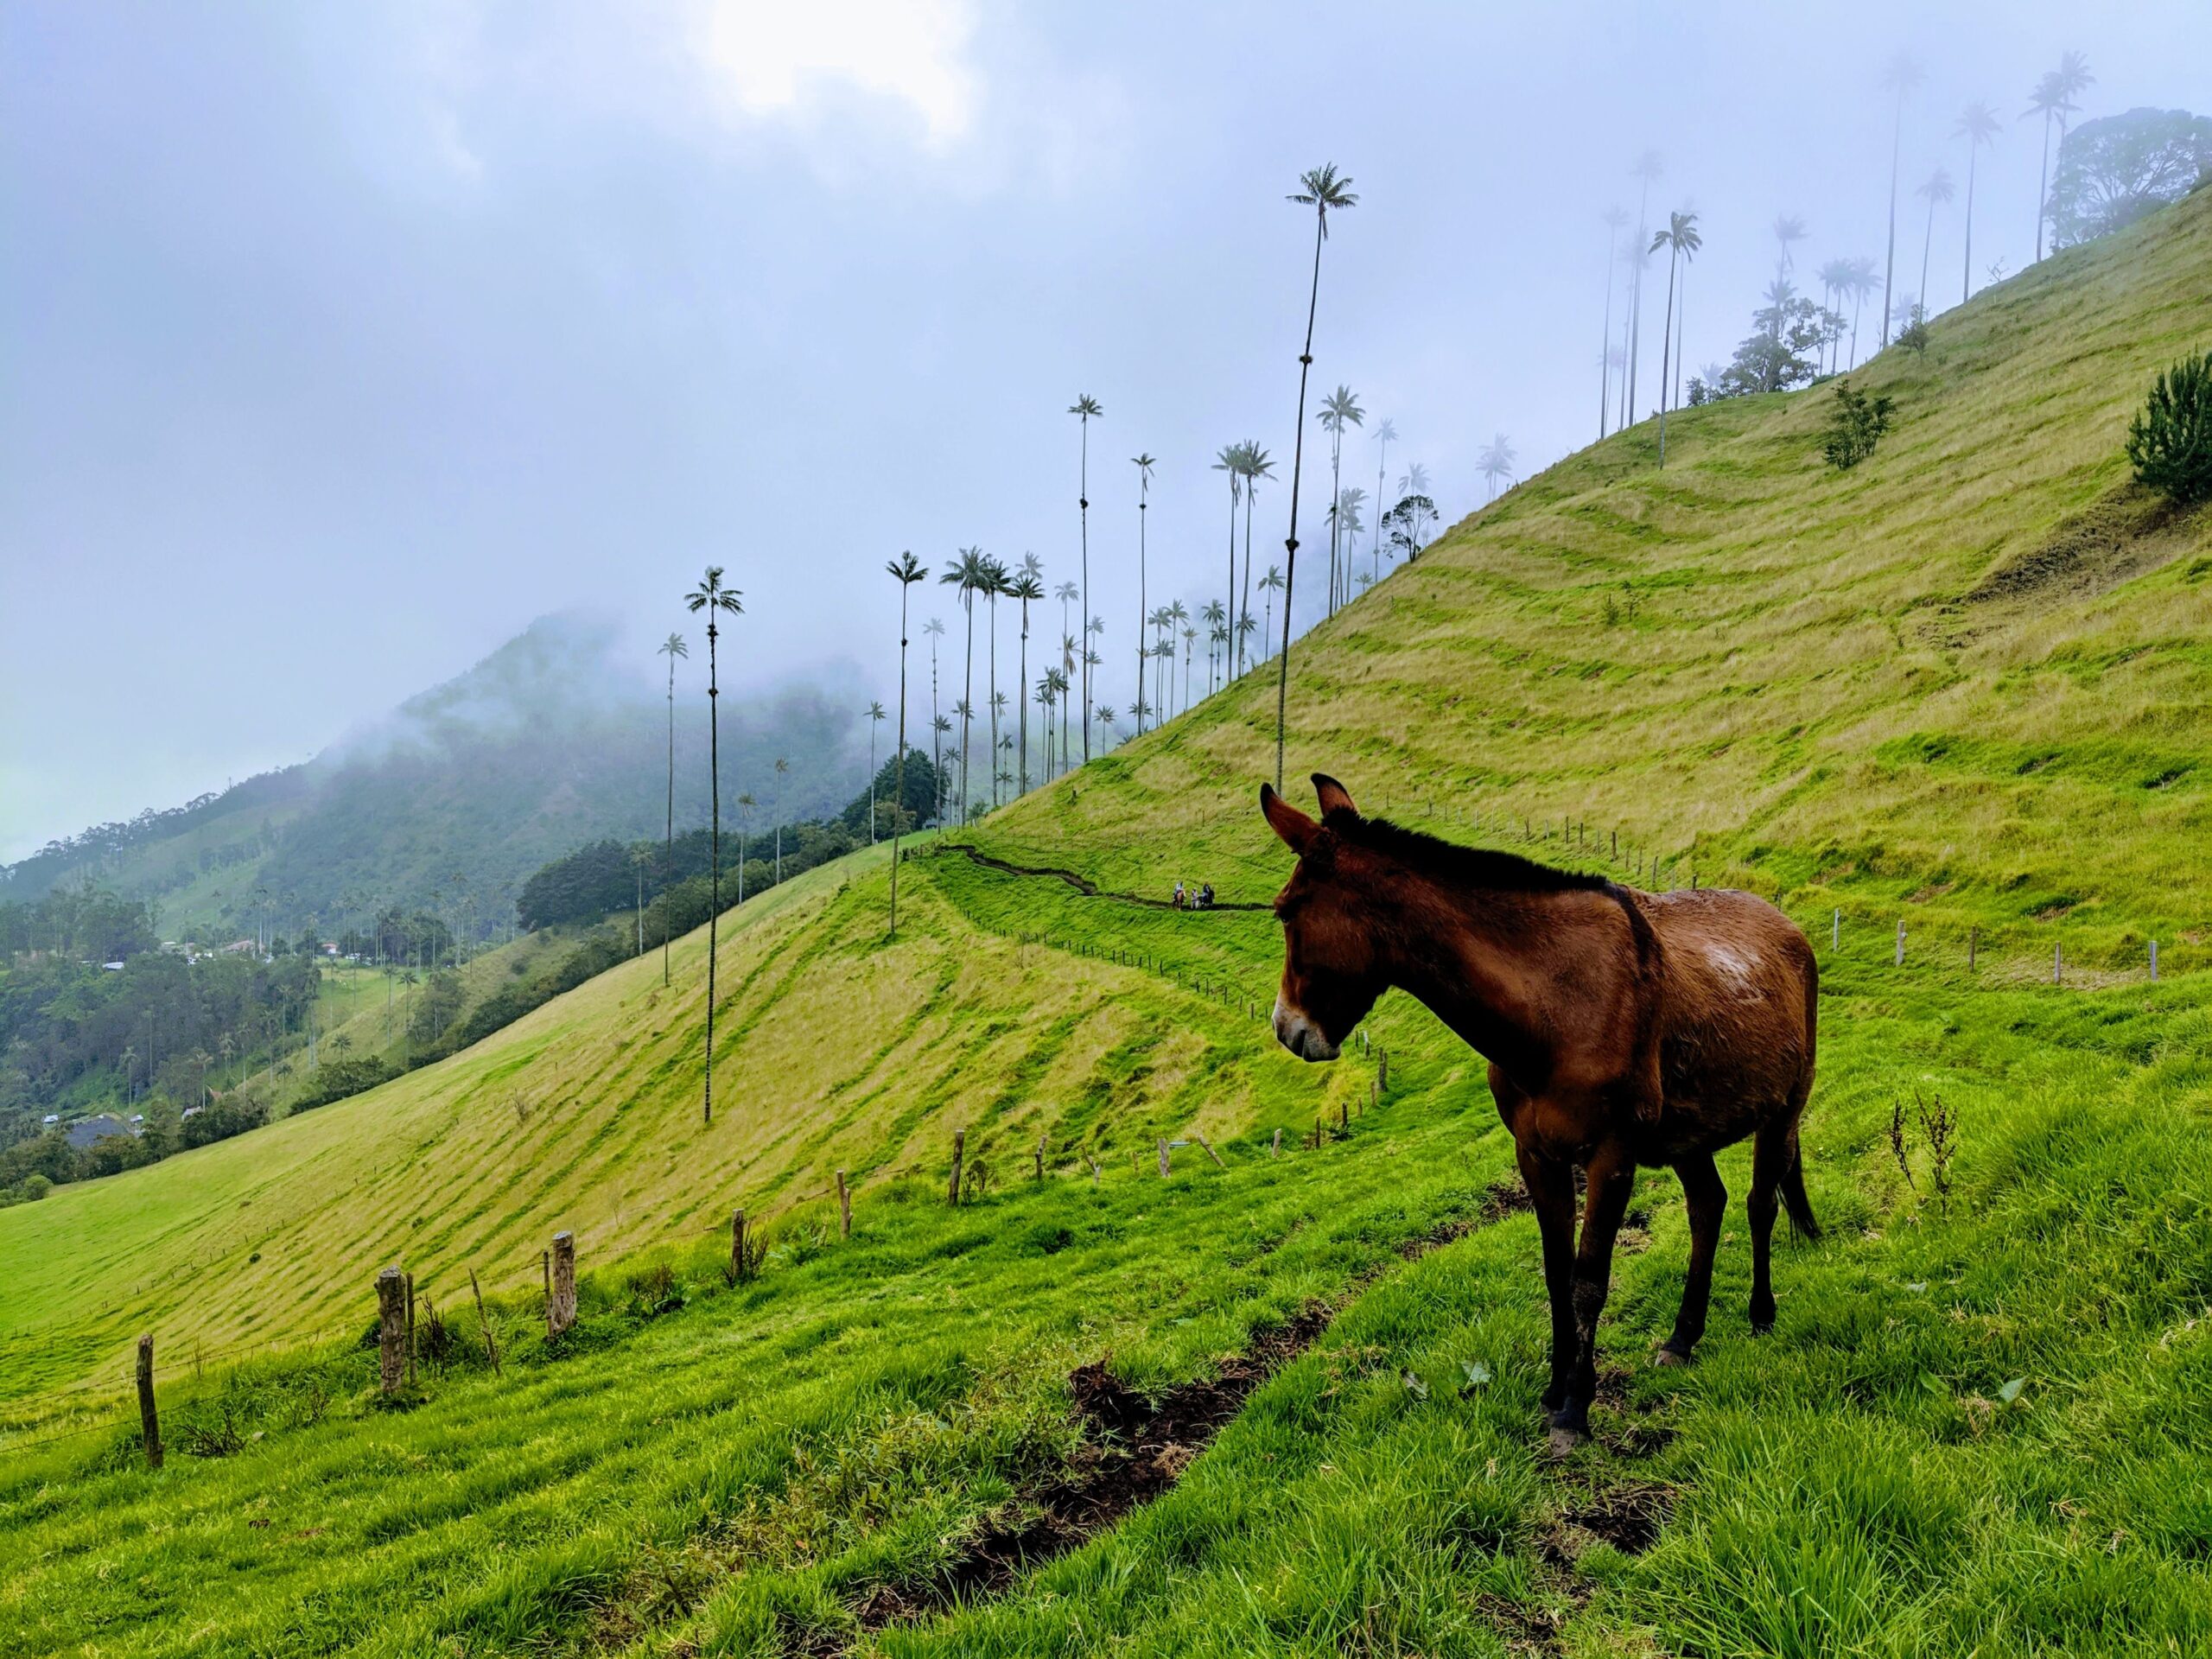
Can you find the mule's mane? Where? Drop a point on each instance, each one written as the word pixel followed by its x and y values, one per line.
pixel 1469 866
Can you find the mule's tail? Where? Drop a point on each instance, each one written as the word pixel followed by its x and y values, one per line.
pixel 1794 1201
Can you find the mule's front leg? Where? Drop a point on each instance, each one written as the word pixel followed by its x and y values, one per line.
pixel 1611 1177
pixel 1551 1191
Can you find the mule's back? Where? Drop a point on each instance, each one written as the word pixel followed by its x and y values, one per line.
pixel 1737 1011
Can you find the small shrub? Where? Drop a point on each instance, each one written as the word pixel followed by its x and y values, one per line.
pixel 2169 441
pixel 657 1290
pixel 1914 335
pixel 1855 425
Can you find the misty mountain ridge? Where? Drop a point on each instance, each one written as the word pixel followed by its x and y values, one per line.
pixel 465 788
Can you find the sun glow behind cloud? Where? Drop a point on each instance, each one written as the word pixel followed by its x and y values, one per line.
pixel 775 58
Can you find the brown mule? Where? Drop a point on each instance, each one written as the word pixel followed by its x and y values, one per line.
pixel 1621 1028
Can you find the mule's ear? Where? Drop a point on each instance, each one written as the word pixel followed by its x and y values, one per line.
pixel 1335 797
pixel 1298 831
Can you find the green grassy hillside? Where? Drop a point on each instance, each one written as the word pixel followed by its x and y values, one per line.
pixel 1961 685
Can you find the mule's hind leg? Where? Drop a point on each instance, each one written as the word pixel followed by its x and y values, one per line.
pixel 1773 1149
pixel 1707 1199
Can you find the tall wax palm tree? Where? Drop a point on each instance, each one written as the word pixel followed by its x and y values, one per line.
pixel 941 742
pixel 1615 217
pixel 1682 241
pixel 1144 464
pixel 672 647
pixel 995 582
pixel 1351 500
pixel 1836 290
pixel 935 629
pixel 1068 672
pixel 1937 190
pixel 717 601
pixel 1177 616
pixel 1321 189
pixel 1215 615
pixel 1979 125
pixel 1340 409
pixel 876 717
pixel 968 573
pixel 1862 289
pixel 745 804
pixel 1787 228
pixel 1083 408
pixel 1232 460
pixel 906 570
pixel 1648 171
pixel 1028 585
pixel 1901 76
pixel 783 770
pixel 1386 433
pixel 1495 462
pixel 2053 99
pixel 1270 585
pixel 1189 639
pixel 1044 696
pixel 1258 466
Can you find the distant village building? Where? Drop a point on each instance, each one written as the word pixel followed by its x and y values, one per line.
pixel 88 1131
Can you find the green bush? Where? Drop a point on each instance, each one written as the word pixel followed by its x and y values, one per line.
pixel 2171 440
pixel 1855 425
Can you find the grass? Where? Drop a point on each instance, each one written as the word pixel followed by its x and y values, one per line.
pixel 1980 1426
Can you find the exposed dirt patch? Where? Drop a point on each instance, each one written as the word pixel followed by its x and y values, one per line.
pixel 1628 1516
pixel 1083 884
pixel 1499 1200
pixel 1140 1447
pixel 2125 531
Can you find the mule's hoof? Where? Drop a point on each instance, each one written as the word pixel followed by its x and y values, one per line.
pixel 1763 1327
pixel 1669 1354
pixel 1564 1440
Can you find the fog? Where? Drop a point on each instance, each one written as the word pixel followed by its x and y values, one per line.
pixel 336 344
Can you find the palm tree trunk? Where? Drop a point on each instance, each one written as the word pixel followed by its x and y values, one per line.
pixel 1237 657
pixel 1338 584
pixel 1604 373
pixel 1965 265
pixel 1141 602
pixel 1250 490
pixel 1927 247
pixel 992 620
pixel 668 855
pixel 1890 264
pixel 1666 342
pixel 967 701
pixel 714 853
pixel 2042 187
pixel 898 771
pixel 1082 506
pixel 1021 695
pixel 1297 462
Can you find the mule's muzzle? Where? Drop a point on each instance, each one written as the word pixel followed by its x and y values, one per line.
pixel 1300 1034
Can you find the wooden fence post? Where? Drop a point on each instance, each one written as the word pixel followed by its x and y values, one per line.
pixel 1900 962
pixel 1208 1150
pixel 1383 1072
pixel 1974 946
pixel 1343 1116
pixel 1274 1147
pixel 391 1330
pixel 2154 962
pixel 959 1152
pixel 1163 1159
pixel 1835 929
pixel 150 1423
pixel 2057 963
pixel 844 1207
pixel 560 1307
pixel 410 1330
pixel 1095 1172
pixel 484 1323
pixel 1041 1157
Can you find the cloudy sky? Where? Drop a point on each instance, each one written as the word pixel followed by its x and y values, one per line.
pixel 336 342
